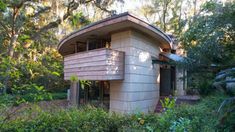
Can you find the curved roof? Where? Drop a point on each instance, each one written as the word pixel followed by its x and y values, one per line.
pixel 115 24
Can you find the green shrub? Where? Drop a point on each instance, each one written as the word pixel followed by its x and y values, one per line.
pixel 191 118
pixel 6 100
pixel 168 103
pixel 227 113
pixel 59 96
pixel 86 119
pixel 180 125
pixel 16 99
pixel 200 82
pixel 30 93
pixel 205 87
pixel 47 71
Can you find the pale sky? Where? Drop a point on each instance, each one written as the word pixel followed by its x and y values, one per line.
pixel 133 6
pixel 130 6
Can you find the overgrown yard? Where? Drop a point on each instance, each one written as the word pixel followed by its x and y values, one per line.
pixel 33 90
pixel 200 117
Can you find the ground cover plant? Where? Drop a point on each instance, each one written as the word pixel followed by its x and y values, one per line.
pixel 193 118
pixel 31 69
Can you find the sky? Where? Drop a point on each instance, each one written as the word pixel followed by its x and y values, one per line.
pixel 131 6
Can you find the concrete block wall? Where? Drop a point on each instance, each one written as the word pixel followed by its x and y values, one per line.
pixel 180 82
pixel 139 91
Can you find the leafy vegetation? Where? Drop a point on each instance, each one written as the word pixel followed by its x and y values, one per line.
pixel 200 117
pixel 29 33
pixel 31 69
pixel 226 110
pixel 212 35
pixel 30 93
pixel 209 43
pixel 168 103
pixel 46 71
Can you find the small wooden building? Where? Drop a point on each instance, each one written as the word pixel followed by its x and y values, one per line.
pixel 125 59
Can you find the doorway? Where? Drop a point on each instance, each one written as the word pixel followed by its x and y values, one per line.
pixel 167 80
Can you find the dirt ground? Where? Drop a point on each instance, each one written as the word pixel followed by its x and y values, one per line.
pixel 17 111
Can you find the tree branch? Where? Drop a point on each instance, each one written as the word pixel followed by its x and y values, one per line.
pixel 112 12
pixel 42 10
pixel 71 7
pixel 17 8
pixel 104 9
pixel 5 28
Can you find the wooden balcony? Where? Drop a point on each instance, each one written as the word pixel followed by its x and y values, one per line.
pixel 99 64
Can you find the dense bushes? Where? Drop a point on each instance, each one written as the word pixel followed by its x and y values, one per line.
pixel 87 119
pixel 43 70
pixel 30 80
pixel 61 95
pixel 200 117
pixel 200 83
pixel 29 93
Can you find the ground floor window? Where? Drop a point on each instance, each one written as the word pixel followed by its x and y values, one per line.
pixel 97 94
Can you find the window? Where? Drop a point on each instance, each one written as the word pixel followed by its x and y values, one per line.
pixel 96 94
pixel 95 44
pixel 81 47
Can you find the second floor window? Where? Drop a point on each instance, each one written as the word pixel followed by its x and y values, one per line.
pixel 95 44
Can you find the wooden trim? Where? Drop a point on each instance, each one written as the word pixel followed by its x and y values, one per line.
pixel 86 65
pixel 85 52
pixel 76 48
pixel 114 20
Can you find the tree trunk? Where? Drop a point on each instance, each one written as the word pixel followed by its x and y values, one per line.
pixel 194 7
pixel 6 85
pixel 164 21
pixel 12 45
pixel 10 53
pixel 165 9
pixel 179 22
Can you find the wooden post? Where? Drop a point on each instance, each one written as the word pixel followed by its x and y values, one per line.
pixel 78 93
pixel 87 45
pixel 101 89
pixel 76 48
pixel 74 94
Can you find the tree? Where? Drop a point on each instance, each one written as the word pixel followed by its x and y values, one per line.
pixel 28 28
pixel 172 16
pixel 16 17
pixel 210 39
pixel 166 14
pixel 210 42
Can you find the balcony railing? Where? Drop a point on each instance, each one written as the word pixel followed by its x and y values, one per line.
pixel 99 64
